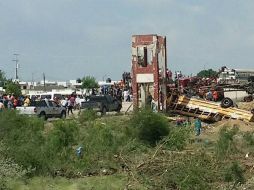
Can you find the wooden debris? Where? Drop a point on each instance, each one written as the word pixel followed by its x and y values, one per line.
pixel 208 110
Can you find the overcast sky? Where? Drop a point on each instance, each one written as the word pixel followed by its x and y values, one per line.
pixel 68 39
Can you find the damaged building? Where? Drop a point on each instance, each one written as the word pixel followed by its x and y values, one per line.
pixel 149 69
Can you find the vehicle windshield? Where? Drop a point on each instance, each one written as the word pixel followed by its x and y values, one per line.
pixel 38 104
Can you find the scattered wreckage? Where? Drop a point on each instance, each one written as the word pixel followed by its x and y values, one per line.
pixel 206 110
pixel 189 102
pixel 151 80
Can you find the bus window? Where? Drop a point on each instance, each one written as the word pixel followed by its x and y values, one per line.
pixel 46 96
pixel 58 96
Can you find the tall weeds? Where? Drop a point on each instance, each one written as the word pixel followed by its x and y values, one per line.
pixel 149 127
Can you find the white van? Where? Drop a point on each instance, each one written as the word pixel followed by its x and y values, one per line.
pixel 46 95
pixel 51 96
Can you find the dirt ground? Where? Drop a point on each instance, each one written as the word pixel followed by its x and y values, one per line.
pixel 243 126
pixel 246 105
pixel 211 131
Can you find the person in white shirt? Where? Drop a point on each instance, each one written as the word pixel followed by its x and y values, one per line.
pixel 77 102
pixel 154 105
pixel 64 102
pixel 125 95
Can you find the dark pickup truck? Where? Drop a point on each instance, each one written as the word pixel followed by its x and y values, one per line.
pixel 102 103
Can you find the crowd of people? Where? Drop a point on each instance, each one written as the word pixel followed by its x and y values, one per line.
pixel 70 102
pixel 10 101
pixel 200 87
pixel 211 95
pixel 118 91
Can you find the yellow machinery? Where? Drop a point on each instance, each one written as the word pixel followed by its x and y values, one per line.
pixel 206 110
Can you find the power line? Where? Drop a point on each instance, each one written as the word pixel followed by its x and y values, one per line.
pixel 44 84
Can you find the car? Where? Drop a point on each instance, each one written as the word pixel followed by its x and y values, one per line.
pixel 102 103
pixel 44 109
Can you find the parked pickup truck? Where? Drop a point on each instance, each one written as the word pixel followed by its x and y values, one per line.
pixel 44 109
pixel 102 103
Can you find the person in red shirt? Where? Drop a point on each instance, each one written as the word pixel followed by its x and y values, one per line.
pixel 70 104
pixel 215 95
pixel 15 102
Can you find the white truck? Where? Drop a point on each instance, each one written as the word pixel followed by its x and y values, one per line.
pixel 44 109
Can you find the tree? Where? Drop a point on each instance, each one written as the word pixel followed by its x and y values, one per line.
pixel 108 80
pixel 89 82
pixel 78 80
pixel 207 73
pixel 13 88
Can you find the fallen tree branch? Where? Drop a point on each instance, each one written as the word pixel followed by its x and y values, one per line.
pixel 130 171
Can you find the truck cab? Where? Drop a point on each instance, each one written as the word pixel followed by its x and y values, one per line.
pixel 102 103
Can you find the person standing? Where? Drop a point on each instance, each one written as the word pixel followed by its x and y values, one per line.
pixel 154 106
pixel 27 101
pixel 5 101
pixel 77 102
pixel 9 104
pixel 15 102
pixel 1 106
pixel 209 95
pixel 70 105
pixel 215 95
pixel 125 94
pixel 198 126
pixel 64 102
pixel 149 100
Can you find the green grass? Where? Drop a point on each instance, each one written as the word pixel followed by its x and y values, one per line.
pixel 113 182
pixel 144 151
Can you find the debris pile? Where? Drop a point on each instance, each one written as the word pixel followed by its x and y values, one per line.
pixel 249 106
pixel 206 110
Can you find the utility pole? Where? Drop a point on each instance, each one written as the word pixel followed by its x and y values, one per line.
pixel 33 79
pixel 44 82
pixel 16 70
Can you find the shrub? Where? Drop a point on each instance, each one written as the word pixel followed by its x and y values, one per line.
pixel 225 144
pixel 103 141
pixel 235 174
pixel 150 127
pixel 178 138
pixel 29 146
pixel 87 115
pixel 10 122
pixel 63 135
pixel 48 151
pixel 9 170
pixel 59 145
pixel 249 138
pixel 24 139
pixel 189 172
pixel 99 144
